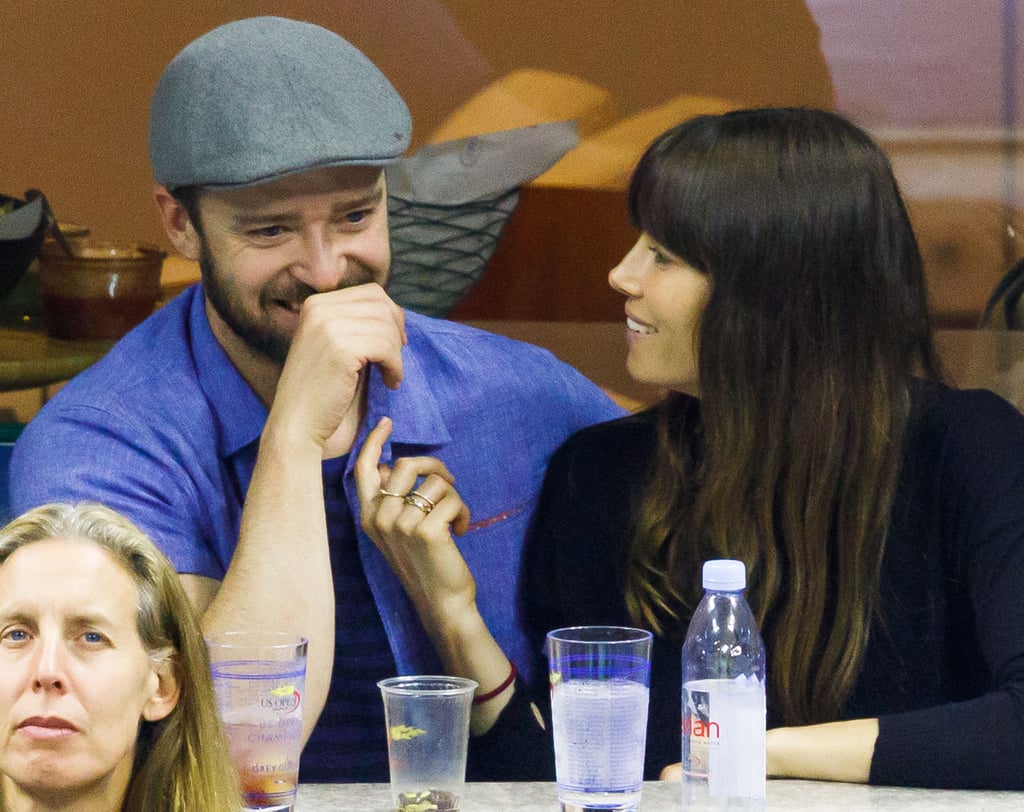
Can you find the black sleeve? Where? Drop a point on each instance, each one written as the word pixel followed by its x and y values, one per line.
pixel 517 747
pixel 571 576
pixel 978 742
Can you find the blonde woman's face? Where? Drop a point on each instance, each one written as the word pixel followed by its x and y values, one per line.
pixel 75 680
pixel 665 298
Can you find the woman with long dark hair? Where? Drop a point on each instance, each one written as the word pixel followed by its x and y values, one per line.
pixel 776 292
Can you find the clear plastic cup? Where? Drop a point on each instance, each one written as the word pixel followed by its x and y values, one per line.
pixel 427 720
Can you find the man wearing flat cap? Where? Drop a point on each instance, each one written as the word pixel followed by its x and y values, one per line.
pixel 228 424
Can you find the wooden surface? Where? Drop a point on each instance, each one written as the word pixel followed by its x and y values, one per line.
pixel 30 359
pixel 553 258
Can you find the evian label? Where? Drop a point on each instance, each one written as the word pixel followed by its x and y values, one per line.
pixel 723 734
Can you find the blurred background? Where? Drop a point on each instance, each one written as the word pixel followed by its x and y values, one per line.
pixel 937 81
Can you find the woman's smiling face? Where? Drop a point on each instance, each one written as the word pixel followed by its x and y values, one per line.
pixel 75 679
pixel 665 298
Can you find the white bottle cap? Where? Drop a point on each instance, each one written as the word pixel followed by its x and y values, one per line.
pixel 725 575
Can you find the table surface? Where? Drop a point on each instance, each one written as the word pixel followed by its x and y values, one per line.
pixel 29 358
pixel 658 796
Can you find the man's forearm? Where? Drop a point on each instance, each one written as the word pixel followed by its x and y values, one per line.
pixel 280 574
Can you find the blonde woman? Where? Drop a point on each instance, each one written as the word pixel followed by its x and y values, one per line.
pixel 106 701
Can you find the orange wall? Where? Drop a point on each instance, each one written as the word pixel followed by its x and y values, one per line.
pixel 76 77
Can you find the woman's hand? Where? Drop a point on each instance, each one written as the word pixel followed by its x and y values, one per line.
pixel 410 511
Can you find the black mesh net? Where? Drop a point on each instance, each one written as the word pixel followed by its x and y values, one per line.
pixel 438 252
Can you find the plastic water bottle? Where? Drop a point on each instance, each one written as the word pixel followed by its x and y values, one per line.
pixel 723 717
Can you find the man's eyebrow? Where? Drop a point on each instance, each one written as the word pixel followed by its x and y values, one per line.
pixel 243 220
pixel 369 199
pixel 247 219
pixel 374 194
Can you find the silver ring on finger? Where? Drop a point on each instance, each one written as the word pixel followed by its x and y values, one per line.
pixel 418 500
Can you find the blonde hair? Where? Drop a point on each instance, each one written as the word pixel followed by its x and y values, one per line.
pixel 182 762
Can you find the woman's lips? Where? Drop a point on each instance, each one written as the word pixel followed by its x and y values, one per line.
pixel 637 326
pixel 47 727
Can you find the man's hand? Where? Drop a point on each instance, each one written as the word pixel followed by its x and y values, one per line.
pixel 340 333
pixel 416 538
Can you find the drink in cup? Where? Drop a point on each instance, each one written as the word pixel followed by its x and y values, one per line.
pixel 101 292
pixel 259 678
pixel 600 678
pixel 427 720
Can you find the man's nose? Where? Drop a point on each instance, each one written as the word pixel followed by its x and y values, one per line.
pixel 323 263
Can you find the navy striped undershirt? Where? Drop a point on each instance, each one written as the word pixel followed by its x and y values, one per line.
pixel 349 742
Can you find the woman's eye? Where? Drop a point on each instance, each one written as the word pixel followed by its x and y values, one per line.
pixel 660 257
pixel 14 636
pixel 92 637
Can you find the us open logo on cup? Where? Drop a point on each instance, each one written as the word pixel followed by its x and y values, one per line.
pixel 282 700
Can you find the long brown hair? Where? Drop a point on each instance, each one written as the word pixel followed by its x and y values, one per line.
pixel 182 762
pixel 815 325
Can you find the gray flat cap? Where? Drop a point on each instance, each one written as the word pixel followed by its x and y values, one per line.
pixel 256 99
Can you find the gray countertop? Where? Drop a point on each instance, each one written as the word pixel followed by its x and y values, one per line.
pixel 658 796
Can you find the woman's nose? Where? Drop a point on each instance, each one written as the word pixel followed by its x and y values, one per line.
pixel 624 277
pixel 51 671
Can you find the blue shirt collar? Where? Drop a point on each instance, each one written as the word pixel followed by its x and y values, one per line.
pixel 241 415
pixel 238 411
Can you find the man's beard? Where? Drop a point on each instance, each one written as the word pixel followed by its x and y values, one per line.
pixel 255 329
pixel 258 334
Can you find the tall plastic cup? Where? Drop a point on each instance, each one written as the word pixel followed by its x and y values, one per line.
pixel 427 722
pixel 600 681
pixel 260 680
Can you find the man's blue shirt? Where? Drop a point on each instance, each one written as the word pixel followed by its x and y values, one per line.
pixel 165 430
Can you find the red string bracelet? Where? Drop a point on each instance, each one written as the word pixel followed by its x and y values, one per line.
pixel 479 700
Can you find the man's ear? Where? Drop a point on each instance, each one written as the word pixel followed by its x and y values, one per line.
pixel 165 694
pixel 178 225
